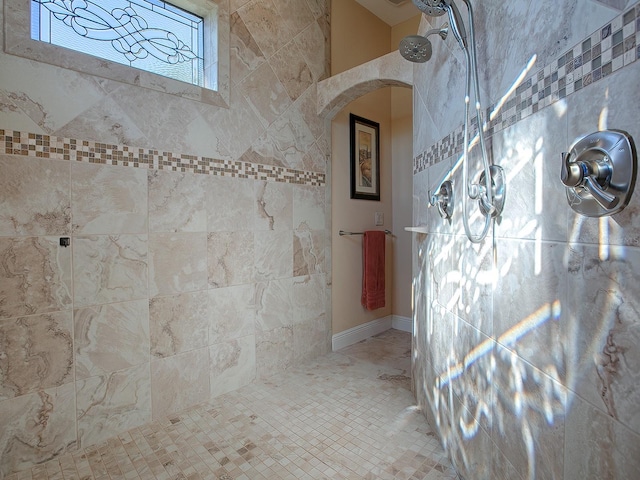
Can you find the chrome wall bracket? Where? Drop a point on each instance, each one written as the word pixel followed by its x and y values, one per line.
pixel 600 173
pixel 443 199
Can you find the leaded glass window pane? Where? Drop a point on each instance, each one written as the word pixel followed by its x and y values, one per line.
pixel 147 34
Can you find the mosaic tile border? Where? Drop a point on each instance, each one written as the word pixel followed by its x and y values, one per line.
pixel 48 146
pixel 612 47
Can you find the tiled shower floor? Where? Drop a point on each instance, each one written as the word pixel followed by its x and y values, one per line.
pixel 347 415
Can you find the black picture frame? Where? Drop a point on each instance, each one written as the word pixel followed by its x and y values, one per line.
pixel 365 158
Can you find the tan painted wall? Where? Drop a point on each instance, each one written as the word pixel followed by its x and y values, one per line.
pixel 357 35
pixel 401 30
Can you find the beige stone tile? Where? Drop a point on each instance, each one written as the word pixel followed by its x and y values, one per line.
pixel 273 255
pixel 35 196
pixel 177 202
pixel 109 268
pixel 230 204
pixel 307 300
pixel 614 455
pixel 308 252
pixel 266 94
pixel 291 69
pixel 177 263
pixel 233 364
pixel 110 404
pixel 274 307
pixel 36 353
pixel 274 350
pixel 179 323
pixel 266 25
pixel 111 337
pixel 245 54
pixel 230 258
pixel 35 276
pixel 273 206
pixel 179 381
pixel 297 15
pixel 313 43
pixel 336 417
pixel 232 313
pixel 108 199
pixel 36 427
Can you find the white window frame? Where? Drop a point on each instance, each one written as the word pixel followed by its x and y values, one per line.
pixel 18 41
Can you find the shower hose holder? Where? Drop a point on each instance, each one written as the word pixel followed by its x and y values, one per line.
pixel 600 173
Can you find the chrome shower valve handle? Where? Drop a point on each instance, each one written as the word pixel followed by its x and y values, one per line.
pixel 593 174
pixel 599 172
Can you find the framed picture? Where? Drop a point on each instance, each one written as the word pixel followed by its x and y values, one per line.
pixel 365 158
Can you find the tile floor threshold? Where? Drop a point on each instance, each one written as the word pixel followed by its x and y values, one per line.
pixel 347 415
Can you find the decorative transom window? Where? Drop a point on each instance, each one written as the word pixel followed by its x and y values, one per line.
pixel 147 34
pixel 106 38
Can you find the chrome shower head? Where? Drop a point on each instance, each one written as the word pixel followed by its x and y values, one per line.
pixel 417 48
pixel 433 8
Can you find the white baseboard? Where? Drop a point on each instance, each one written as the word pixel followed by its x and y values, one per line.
pixel 361 332
pixel 404 324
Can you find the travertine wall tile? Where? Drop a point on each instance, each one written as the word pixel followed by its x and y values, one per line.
pixel 35 276
pixel 173 199
pixel 274 350
pixel 230 258
pixel 35 197
pixel 108 200
pixel 179 323
pixel 179 381
pixel 266 25
pixel 273 255
pixel 230 204
pixel 177 263
pixel 534 331
pixel 112 337
pixel 308 252
pixel 109 268
pixel 37 353
pixel 232 313
pixel 266 94
pixel 113 403
pixel 273 206
pixel 233 364
pixel 274 307
pixel 177 202
pixel 37 427
pixel 291 69
pixel 245 54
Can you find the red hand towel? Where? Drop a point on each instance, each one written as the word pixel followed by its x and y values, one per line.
pixel 373 269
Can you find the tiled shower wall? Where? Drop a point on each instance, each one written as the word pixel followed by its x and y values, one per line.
pixel 527 345
pixel 198 258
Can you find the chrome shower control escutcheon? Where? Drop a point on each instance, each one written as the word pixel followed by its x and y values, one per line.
pixel 600 172
pixel 444 199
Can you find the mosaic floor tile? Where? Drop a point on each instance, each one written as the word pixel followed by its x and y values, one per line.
pixel 347 415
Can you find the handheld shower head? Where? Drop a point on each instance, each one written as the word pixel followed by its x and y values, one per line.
pixel 417 48
pixel 433 8
pixel 436 8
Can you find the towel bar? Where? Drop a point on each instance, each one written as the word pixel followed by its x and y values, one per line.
pixel 342 232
